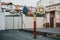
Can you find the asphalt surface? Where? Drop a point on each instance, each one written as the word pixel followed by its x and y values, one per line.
pixel 21 35
pixel 48 30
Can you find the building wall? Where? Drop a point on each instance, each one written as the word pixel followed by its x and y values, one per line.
pixel 47 19
pixel 55 8
pixel 57 19
pixel 58 8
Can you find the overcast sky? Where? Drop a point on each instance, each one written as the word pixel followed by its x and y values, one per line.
pixel 32 2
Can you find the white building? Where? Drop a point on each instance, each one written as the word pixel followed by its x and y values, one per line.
pixel 53 15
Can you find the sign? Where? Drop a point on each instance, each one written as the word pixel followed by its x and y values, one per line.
pixel 25 10
pixel 41 9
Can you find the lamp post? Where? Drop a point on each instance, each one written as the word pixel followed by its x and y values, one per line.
pixel 34 25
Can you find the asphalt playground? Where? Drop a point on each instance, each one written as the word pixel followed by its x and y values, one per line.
pixel 21 35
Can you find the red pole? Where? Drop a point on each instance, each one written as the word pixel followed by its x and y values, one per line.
pixel 34 29
pixel 34 26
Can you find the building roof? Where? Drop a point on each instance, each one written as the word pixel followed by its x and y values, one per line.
pixel 53 5
pixel 3 3
pixel 8 3
pixel 52 11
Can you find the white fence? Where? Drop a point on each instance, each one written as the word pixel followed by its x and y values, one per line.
pixel 14 22
pixel 2 22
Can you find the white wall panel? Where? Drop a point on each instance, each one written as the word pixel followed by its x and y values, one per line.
pixel 2 21
pixel 29 22
pixel 19 24
pixel 40 22
pixel 15 23
pixel 12 23
pixel 8 22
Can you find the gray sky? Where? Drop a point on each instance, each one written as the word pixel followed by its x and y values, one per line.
pixel 31 2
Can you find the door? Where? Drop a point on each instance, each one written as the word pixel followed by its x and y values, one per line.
pixel 52 16
pixel 52 22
